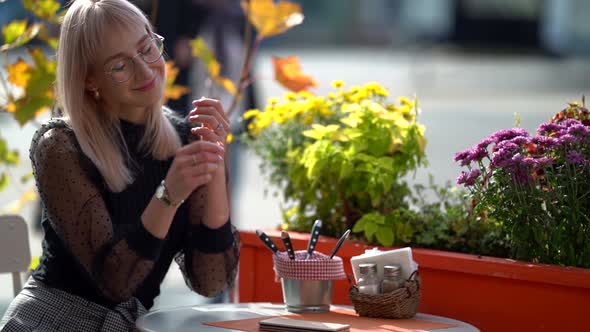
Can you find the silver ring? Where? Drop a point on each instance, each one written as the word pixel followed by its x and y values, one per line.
pixel 219 126
pixel 194 160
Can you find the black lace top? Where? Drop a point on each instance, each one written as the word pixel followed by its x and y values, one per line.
pixel 95 245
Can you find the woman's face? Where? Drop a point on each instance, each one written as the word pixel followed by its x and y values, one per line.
pixel 129 73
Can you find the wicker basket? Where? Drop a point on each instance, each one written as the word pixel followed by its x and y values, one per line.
pixel 401 303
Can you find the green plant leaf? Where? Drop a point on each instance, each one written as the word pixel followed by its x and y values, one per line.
pixel 385 235
pixel 3 181
pixel 370 229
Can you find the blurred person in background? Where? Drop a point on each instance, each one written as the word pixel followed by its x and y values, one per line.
pixel 113 174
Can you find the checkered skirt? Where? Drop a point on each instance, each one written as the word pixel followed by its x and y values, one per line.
pixel 41 308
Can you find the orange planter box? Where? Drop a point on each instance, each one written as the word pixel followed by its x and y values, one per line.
pixel 492 294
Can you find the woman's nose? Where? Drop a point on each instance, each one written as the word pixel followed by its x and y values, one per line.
pixel 142 69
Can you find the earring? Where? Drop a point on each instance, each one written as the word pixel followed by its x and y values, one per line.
pixel 96 94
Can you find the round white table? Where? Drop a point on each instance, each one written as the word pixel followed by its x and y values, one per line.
pixel 190 318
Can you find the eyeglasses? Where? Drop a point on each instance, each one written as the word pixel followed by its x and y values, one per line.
pixel 122 70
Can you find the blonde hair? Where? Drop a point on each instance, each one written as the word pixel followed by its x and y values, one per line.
pixel 98 132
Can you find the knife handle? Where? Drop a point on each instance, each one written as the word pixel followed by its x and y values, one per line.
pixel 288 245
pixel 315 234
pixel 267 241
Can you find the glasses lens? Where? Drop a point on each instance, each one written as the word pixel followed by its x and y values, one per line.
pixel 153 51
pixel 122 70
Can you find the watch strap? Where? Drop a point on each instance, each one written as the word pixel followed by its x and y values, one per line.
pixel 165 197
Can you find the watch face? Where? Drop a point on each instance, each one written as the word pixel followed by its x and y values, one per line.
pixel 160 191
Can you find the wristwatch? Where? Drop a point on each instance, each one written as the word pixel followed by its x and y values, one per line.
pixel 162 194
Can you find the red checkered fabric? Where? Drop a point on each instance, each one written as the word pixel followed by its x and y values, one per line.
pixel 318 267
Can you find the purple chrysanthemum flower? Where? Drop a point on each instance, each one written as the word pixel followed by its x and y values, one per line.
pixel 502 156
pixel 578 130
pixel 570 122
pixel 517 158
pixel 575 157
pixel 507 134
pixel 478 153
pixel 544 141
pixel 483 144
pixel 537 162
pixel 567 138
pixel 519 140
pixel 468 178
pixel 548 128
pixel 460 156
pixel 467 156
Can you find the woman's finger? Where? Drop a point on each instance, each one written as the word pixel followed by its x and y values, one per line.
pixel 198 158
pixel 210 135
pixel 208 115
pixel 201 146
pixel 214 103
pixel 201 180
pixel 200 169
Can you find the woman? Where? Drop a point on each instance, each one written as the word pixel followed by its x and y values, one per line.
pixel 126 187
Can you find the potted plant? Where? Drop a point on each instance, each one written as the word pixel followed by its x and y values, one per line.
pixel 495 294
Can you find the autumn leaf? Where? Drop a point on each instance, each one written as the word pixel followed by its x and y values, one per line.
pixel 44 9
pixel 288 72
pixel 201 50
pixel 272 18
pixel 173 91
pixel 38 96
pixel 12 30
pixel 19 73
pixel 15 36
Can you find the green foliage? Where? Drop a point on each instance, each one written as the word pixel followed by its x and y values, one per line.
pixel 341 159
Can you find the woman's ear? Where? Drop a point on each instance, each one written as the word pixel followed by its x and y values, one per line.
pixel 92 87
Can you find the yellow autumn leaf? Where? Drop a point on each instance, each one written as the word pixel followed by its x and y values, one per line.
pixel 14 37
pixel 173 91
pixel 227 84
pixel 288 72
pixel 272 18
pixel 38 94
pixel 45 9
pixel 12 30
pixel 19 73
pixel 200 50
pixel 16 206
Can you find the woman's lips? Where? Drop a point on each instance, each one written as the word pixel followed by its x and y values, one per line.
pixel 147 86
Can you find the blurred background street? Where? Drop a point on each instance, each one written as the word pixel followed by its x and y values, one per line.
pixel 472 64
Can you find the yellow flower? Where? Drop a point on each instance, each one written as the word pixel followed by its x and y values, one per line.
pixel 273 100
pixel 290 96
pixel 229 138
pixel 406 102
pixel 337 84
pixel 251 114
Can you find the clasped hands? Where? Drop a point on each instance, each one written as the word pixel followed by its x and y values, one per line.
pixel 202 160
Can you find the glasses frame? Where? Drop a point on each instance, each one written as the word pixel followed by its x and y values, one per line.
pixel 156 38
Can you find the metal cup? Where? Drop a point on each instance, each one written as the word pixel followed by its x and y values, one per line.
pixel 307 295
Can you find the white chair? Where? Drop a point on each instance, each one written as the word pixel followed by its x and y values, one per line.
pixel 15 253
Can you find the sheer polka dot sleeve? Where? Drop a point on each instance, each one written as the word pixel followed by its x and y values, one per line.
pixel 209 260
pixel 117 258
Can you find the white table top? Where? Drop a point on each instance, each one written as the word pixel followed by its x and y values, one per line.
pixel 191 318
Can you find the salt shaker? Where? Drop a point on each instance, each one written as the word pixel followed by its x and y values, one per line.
pixel 392 278
pixel 368 282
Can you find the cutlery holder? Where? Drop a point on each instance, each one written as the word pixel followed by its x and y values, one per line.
pixel 308 284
